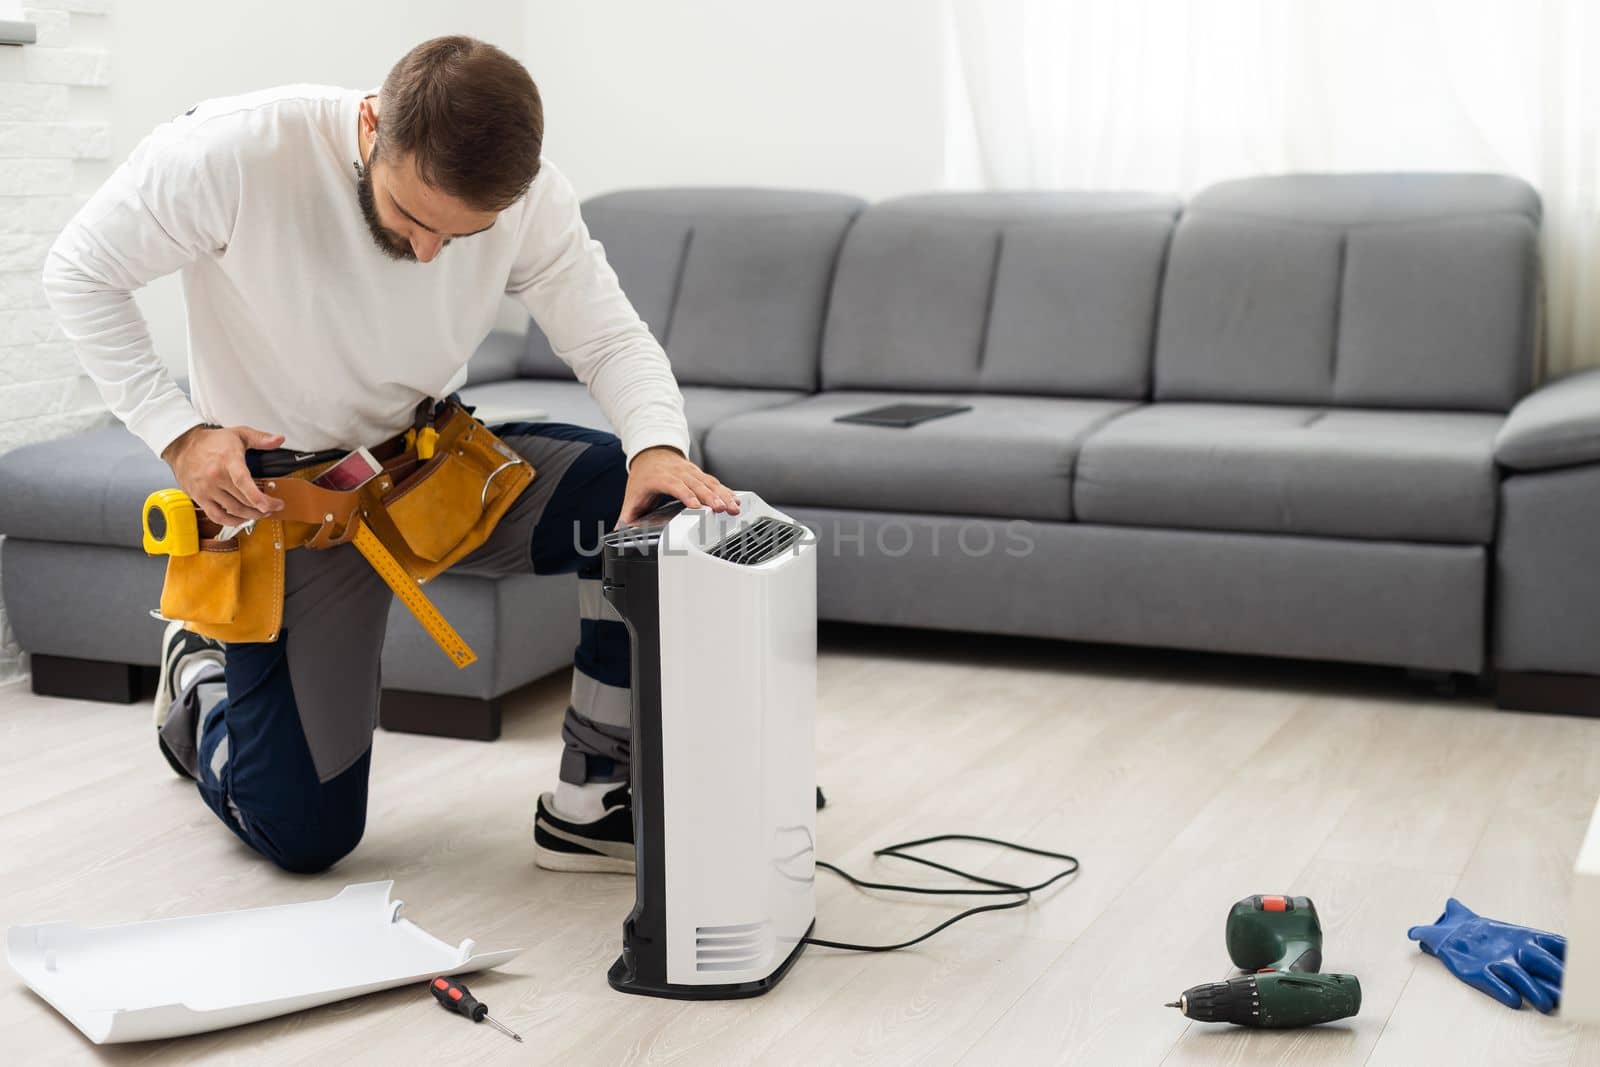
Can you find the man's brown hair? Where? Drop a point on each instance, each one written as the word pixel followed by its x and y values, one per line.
pixel 469 115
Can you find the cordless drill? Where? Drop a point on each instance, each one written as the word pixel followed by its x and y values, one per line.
pixel 1279 940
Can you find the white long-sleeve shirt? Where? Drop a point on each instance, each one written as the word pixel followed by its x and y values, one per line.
pixel 298 323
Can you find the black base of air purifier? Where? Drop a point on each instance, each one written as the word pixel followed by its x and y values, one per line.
pixel 627 980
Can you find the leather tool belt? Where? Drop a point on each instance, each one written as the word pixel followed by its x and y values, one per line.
pixel 445 484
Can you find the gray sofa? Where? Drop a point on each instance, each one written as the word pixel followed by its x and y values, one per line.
pixel 1287 418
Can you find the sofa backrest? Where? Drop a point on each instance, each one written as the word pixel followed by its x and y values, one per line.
pixel 732 282
pixel 496 358
pixel 1376 290
pixel 1048 292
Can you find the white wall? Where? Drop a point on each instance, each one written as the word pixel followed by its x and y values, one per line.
pixel 830 95
pixel 172 53
pixel 845 95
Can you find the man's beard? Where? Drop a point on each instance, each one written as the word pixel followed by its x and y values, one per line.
pixel 389 244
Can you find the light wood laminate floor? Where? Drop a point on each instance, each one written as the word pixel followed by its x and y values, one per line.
pixel 1182 782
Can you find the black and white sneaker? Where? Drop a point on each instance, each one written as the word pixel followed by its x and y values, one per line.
pixel 604 845
pixel 179 648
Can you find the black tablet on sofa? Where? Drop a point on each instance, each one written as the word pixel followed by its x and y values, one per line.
pixel 903 415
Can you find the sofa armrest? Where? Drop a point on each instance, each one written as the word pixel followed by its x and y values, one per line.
pixel 1556 426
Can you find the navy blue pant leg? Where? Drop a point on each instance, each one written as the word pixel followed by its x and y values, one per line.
pixel 257 774
pixel 288 772
pixel 286 746
pixel 584 507
pixel 557 529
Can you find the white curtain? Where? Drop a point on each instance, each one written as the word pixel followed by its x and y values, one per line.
pixel 1175 94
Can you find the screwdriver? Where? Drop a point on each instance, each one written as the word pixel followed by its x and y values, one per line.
pixel 459 999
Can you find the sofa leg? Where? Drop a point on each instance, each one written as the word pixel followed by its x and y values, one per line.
pixel 1552 694
pixel 408 712
pixel 90 679
pixel 1439 683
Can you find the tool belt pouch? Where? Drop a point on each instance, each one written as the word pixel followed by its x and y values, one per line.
pixel 229 590
pixel 432 512
pixel 428 513
pixel 233 590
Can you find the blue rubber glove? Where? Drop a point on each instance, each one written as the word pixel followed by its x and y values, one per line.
pixel 1505 961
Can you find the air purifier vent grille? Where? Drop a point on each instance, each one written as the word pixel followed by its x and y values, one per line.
pixel 762 540
pixel 730 948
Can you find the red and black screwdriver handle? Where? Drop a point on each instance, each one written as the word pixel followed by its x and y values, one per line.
pixel 457 998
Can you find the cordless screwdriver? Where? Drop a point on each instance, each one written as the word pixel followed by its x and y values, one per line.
pixel 1279 940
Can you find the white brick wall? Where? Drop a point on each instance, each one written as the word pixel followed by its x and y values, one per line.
pixel 72 140
pixel 20 291
pixel 33 177
pixel 31 326
pixel 52 28
pixel 79 7
pixel 35 103
pixel 43 392
pixel 36 214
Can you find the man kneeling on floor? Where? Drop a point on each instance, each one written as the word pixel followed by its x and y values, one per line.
pixel 310 226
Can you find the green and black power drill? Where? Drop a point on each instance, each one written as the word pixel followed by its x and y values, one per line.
pixel 1279 940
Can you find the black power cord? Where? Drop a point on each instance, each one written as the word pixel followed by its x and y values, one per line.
pixel 1023 893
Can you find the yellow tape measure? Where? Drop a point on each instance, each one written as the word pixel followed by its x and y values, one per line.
pixel 170 525
pixel 413 598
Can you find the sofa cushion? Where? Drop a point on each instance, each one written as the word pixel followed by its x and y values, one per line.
pixel 1000 292
pixel 1376 290
pixel 733 282
pixel 1010 456
pixel 88 488
pixel 1390 475
pixel 703 405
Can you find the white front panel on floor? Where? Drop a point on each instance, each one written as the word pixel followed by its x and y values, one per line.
pixel 738 696
pixel 188 975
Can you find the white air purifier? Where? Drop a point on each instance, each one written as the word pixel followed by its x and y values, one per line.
pixel 722 611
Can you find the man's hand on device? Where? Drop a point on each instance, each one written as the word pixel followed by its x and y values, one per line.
pixel 209 465
pixel 666 470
